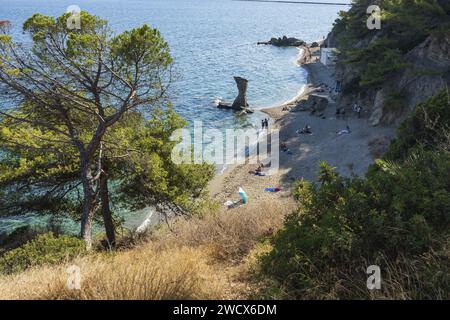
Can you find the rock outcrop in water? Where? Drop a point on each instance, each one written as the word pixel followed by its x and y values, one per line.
pixel 240 103
pixel 241 100
pixel 284 42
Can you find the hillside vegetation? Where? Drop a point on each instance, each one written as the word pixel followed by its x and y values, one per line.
pixel 315 245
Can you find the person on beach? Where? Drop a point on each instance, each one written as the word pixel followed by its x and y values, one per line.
pixel 344 131
pixel 260 167
pixel 259 170
pixel 305 130
pixel 358 110
pixel 284 147
pixel 263 123
pixel 267 123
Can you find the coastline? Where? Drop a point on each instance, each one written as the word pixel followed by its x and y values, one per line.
pixel 219 187
pixel 351 154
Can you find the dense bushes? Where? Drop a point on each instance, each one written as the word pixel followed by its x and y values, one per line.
pixel 45 249
pixel 427 127
pixel 398 215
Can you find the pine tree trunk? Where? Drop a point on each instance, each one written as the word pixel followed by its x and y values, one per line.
pixel 106 209
pixel 88 203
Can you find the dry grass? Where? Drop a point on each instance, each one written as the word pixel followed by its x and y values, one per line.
pixel 201 259
pixel 143 273
pixel 232 233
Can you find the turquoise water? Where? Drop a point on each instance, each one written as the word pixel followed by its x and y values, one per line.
pixel 211 41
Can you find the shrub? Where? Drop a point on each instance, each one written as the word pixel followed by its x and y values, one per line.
pixel 398 214
pixel 394 212
pixel 425 128
pixel 45 249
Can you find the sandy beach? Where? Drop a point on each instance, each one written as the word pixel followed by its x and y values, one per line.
pixel 350 153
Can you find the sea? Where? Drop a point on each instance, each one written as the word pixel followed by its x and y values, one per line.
pixel 211 41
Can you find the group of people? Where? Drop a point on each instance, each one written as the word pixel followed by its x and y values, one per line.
pixel 265 123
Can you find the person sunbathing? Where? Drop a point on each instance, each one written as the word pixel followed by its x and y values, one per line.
pixel 305 130
pixel 259 170
pixel 344 131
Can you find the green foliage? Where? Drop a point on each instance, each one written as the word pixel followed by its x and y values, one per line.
pixel 400 209
pixel 379 69
pixel 93 110
pixel 148 176
pixel 131 45
pixel 45 249
pixel 392 212
pixel 427 127
pixel 395 100
pixel 327 173
pixel 40 173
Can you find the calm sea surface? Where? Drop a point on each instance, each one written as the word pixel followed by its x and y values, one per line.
pixel 211 41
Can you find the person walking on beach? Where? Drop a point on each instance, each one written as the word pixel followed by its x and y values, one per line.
pixel 266 121
pixel 263 123
pixel 358 110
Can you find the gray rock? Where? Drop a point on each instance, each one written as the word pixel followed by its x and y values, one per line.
pixel 319 103
pixel 429 63
pixel 377 111
pixel 284 42
pixel 315 103
pixel 240 103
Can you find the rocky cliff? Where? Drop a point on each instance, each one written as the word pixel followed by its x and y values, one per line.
pixel 424 70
